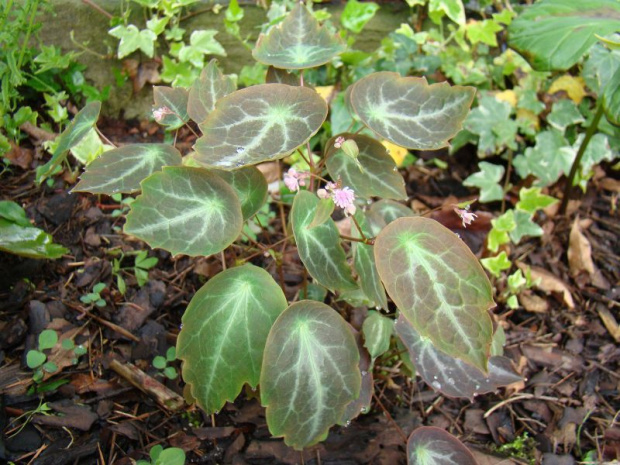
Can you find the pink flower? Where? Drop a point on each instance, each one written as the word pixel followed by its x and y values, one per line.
pixel 343 197
pixel 160 112
pixel 293 180
pixel 467 216
pixel 338 142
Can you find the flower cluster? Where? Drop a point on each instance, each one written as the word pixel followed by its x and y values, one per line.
pixel 293 180
pixel 467 216
pixel 343 197
pixel 160 112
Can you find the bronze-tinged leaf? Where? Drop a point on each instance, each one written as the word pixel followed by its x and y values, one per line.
pixel 408 111
pixel 298 42
pixel 438 285
pixel 211 86
pixel 258 124
pixel 174 101
pixel 429 445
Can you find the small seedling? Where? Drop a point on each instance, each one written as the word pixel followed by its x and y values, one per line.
pixel 37 360
pixel 142 264
pixel 161 456
pixel 161 363
pixel 95 296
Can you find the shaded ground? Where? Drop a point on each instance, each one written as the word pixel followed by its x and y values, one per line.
pixel 563 342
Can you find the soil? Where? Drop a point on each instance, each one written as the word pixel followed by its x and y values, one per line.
pixel 563 339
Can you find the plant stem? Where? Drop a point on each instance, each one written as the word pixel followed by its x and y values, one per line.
pixel 359 228
pixel 582 149
pixel 97 8
pixel 33 12
pixel 507 181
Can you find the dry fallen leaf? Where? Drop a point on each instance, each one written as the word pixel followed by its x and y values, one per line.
pixel 579 251
pixel 547 282
pixel 610 322
pixel 19 156
pixel 533 303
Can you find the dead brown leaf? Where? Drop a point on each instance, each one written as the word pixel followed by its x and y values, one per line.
pixel 19 156
pixel 547 282
pixel 579 251
pixel 610 322
pixel 532 302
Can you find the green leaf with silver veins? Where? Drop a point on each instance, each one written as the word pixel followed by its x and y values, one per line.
pixel 429 445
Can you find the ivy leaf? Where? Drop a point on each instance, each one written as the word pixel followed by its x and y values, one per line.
pixel 598 150
pixel 531 200
pixel 123 168
pixel 175 100
pixel 438 285
pixel 564 114
pixel 201 43
pixel 454 9
pixel 429 445
pixel 79 127
pixel 250 186
pixel 319 248
pixel 224 332
pixel 547 160
pixel 491 121
pixel 356 14
pixel 497 264
pixel 449 375
pixel 502 225
pixel 259 123
pixel 554 34
pixel 310 373
pixel 487 180
pixel 408 111
pixel 483 31
pixel 206 90
pixel 186 211
pixel 600 66
pixel 524 226
pixel 377 331
pixel 298 42
pixel 133 39
pixel 375 175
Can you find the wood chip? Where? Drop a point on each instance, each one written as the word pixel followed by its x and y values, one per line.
pixel 610 322
pixel 579 251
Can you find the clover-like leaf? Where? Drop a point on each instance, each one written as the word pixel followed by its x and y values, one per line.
pixel 449 375
pixel 429 445
pixel 122 169
pixel 211 86
pixel 377 332
pixel 310 373
pixel 364 264
pixel 376 174
pixel 554 34
pixel 70 137
pixel 187 211
pixel 35 359
pixel 174 99
pixel 298 42
pixel 259 123
pixel 408 111
pixel 438 285
pixel 225 328
pixel 319 247
pixel 250 185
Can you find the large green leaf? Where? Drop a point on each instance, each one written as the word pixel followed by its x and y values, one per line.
pixel 259 123
pixel 375 176
pixel 70 137
pixel 429 445
pixel 409 112
pixel 174 101
pixel 186 211
pixel 297 42
pixel 224 331
pixel 385 211
pixel 250 185
pixel 611 99
pixel 319 247
pixel 364 264
pixel 554 34
pixel 438 285
pixel 211 86
pixel 122 169
pixel 449 375
pixel 28 241
pixel 310 373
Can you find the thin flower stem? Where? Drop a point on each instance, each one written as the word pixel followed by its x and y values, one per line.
pixel 582 149
pixel 507 180
pixel 312 168
pixel 356 239
pixel 359 228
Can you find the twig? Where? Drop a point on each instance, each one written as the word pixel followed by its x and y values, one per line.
pixel 387 414
pixel 104 322
pixel 98 8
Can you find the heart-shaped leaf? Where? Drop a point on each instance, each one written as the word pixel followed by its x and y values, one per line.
pixel 174 102
pixel 250 185
pixel 376 174
pixel 70 137
pixel 259 123
pixel 319 247
pixel 409 112
pixel 35 359
pixel 187 211
pixel 451 376
pixel 554 34
pixel 364 264
pixel 297 42
pixel 377 331
pixel 281 76
pixel 362 403
pixel 429 445
pixel 122 169
pixel 438 285
pixel 310 373
pixel 211 86
pixel 385 211
pixel 224 331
